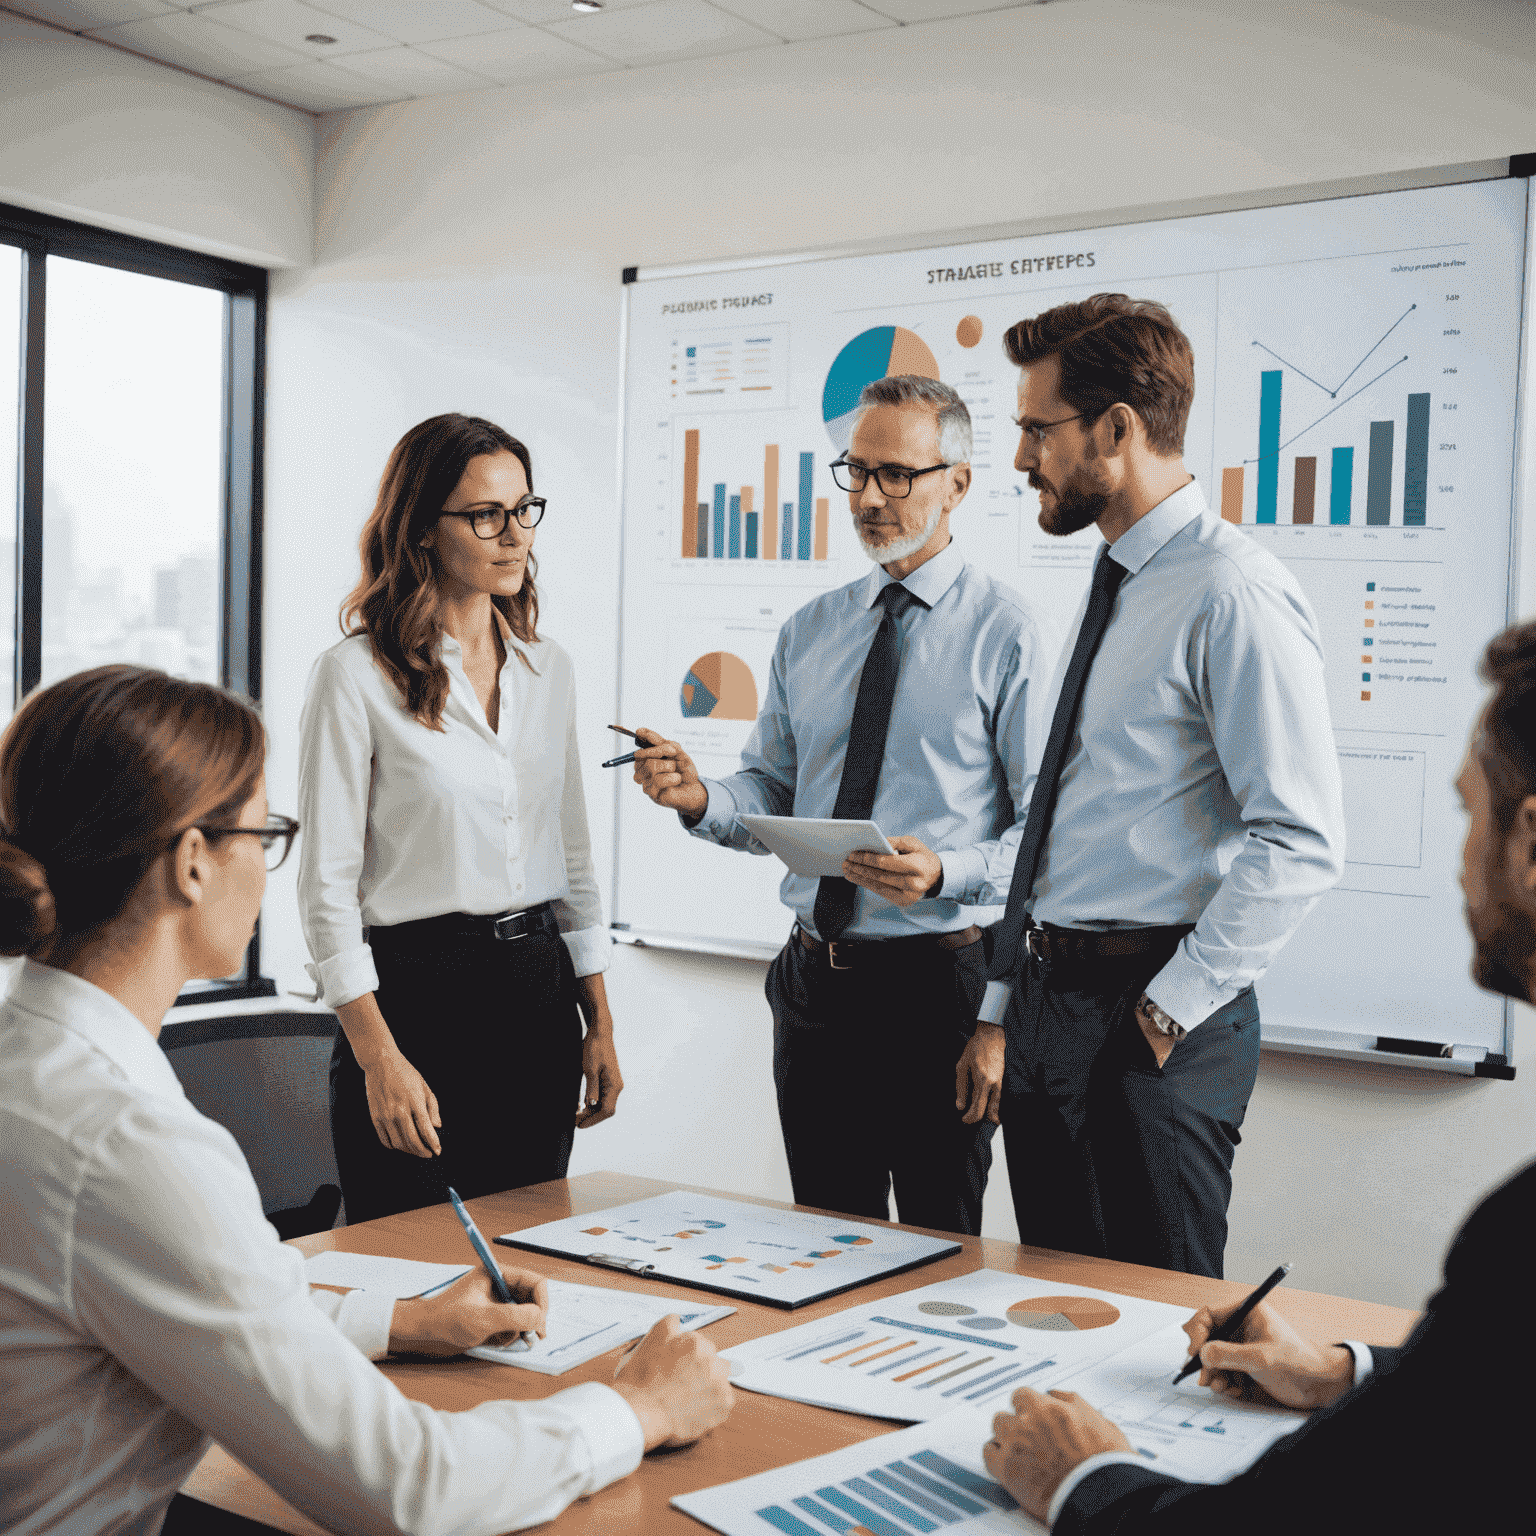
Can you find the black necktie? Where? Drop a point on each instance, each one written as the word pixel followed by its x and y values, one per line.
pixel 1008 941
pixel 835 896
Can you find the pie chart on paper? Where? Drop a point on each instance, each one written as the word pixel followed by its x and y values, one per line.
pixel 718 686
pixel 874 354
pixel 1063 1314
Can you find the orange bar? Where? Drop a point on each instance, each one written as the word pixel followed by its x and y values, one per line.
pixel 1306 490
pixel 908 1375
pixel 1232 495
pixel 868 1344
pixel 770 547
pixel 820 551
pixel 690 493
pixel 895 1349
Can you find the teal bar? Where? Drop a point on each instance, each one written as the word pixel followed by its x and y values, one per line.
pixel 803 552
pixel 717 548
pixel 751 535
pixel 786 530
pixel 1342 485
pixel 1269 446
pixel 734 548
pixel 1378 475
pixel 1416 463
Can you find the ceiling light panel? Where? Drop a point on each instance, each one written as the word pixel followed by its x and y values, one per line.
pixel 669 29
pixel 290 24
pixel 539 11
pixel 412 21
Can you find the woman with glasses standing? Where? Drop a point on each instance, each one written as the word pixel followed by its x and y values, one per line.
pixel 446 887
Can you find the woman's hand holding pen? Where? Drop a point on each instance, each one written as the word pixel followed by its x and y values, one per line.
pixel 666 773
pixel 466 1314
pixel 1273 1363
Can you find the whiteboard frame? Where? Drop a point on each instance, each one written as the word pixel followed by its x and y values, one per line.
pixel 1461 1061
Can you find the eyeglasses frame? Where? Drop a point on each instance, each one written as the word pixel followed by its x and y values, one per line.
pixel 507 514
pixel 1036 430
pixel 275 826
pixel 843 462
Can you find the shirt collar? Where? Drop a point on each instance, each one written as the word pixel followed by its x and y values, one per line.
pixel 515 647
pixel 1150 532
pixel 928 583
pixel 97 1017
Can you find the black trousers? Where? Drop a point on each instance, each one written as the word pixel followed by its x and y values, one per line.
pixel 191 1517
pixel 864 1063
pixel 1108 1154
pixel 493 1027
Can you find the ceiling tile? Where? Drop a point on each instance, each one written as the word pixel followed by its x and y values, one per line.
pixel 19 26
pixel 317 87
pixel 82 15
pixel 412 21
pixel 796 19
pixel 554 10
pixel 669 29
pixel 934 10
pixel 195 43
pixel 289 23
pixel 418 73
pixel 519 53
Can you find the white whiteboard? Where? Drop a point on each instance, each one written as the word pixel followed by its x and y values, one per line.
pixel 1368 345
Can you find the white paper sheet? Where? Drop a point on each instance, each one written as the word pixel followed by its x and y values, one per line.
pixel 588 1320
pixel 912 1480
pixel 963 1343
pixel 400 1278
pixel 783 1258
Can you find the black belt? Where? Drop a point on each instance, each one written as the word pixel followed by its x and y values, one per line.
pixel 1081 946
pixel 845 954
pixel 471 925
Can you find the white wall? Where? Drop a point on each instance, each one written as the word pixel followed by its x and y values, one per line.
pixel 467 256
pixel 90 133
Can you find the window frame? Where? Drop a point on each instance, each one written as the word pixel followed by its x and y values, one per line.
pixel 40 236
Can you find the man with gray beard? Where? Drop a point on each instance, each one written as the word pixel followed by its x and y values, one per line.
pixel 916 697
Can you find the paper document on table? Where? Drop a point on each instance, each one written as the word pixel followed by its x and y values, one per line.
pixel 783 1258
pixel 586 1321
pixel 913 1480
pixel 1186 1431
pixel 400 1278
pixel 960 1343
pixel 815 845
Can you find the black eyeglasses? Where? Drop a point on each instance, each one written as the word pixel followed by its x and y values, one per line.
pixel 1035 430
pixel 276 836
pixel 491 522
pixel 894 480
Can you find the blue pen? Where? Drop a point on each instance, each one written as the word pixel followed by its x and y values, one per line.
pixel 483 1253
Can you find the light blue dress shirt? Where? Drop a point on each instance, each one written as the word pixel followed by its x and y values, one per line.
pixel 1203 786
pixel 968 724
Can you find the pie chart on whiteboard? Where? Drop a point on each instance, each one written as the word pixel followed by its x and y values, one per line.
pixel 718 686
pixel 873 354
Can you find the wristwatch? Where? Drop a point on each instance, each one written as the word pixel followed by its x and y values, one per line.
pixel 1163 1023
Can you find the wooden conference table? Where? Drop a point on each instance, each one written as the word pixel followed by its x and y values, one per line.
pixel 762 1432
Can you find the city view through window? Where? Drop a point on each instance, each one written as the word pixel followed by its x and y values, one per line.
pixel 10 385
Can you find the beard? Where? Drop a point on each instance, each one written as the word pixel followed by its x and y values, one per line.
pixel 898 549
pixel 1076 506
pixel 1504 940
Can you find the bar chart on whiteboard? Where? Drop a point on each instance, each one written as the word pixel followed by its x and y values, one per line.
pixel 1356 374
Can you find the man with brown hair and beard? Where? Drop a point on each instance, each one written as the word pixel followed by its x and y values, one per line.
pixel 1386 1448
pixel 1186 816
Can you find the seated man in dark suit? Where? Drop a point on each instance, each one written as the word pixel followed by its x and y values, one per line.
pixel 1422 1438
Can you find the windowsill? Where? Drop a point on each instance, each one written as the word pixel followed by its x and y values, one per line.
pixel 197 993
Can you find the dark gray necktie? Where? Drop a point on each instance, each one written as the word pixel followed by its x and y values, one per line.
pixel 1007 946
pixel 835 896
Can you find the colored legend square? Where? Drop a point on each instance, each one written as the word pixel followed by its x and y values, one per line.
pixel 1370 623
pixel 1365 677
pixel 1370 586
pixel 1370 603
pixel 1365 693
pixel 1365 658
pixel 1368 641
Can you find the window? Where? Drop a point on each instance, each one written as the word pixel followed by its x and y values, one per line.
pixel 130 492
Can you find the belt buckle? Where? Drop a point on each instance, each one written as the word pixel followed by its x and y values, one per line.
pixel 832 957
pixel 509 919
pixel 1037 952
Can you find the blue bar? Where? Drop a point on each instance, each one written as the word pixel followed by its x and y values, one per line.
pixel 972 1482
pixel 1342 485
pixel 1416 463
pixel 976 1381
pixel 891 1365
pixel 1269 446
pixel 943 1511
pixel 751 535
pixel 868 1518
pixel 782 1520
pixel 943 1333
pixel 997 1386
pixel 786 530
pixel 702 551
pixel 804 551
pixel 734 546
pixel 1378 475
pixel 878 1496
pixel 717 545
pixel 826 1516
pixel 816 1349
pixel 944 1491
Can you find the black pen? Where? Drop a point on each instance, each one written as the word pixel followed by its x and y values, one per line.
pixel 619 762
pixel 1233 1326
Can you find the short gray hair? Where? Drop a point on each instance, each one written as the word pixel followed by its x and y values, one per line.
pixel 909 388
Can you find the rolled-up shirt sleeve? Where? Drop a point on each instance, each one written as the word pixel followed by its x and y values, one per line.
pixel 580 912
pixel 1264 698
pixel 335 770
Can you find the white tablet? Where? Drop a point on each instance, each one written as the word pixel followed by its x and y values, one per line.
pixel 815 845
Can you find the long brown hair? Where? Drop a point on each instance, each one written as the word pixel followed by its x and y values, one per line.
pixel 395 600
pixel 99 774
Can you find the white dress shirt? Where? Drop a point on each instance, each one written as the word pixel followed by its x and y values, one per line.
pixel 146 1305
pixel 402 822
pixel 1202 785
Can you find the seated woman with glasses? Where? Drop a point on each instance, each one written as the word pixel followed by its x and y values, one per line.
pixel 446 886
pixel 146 1305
